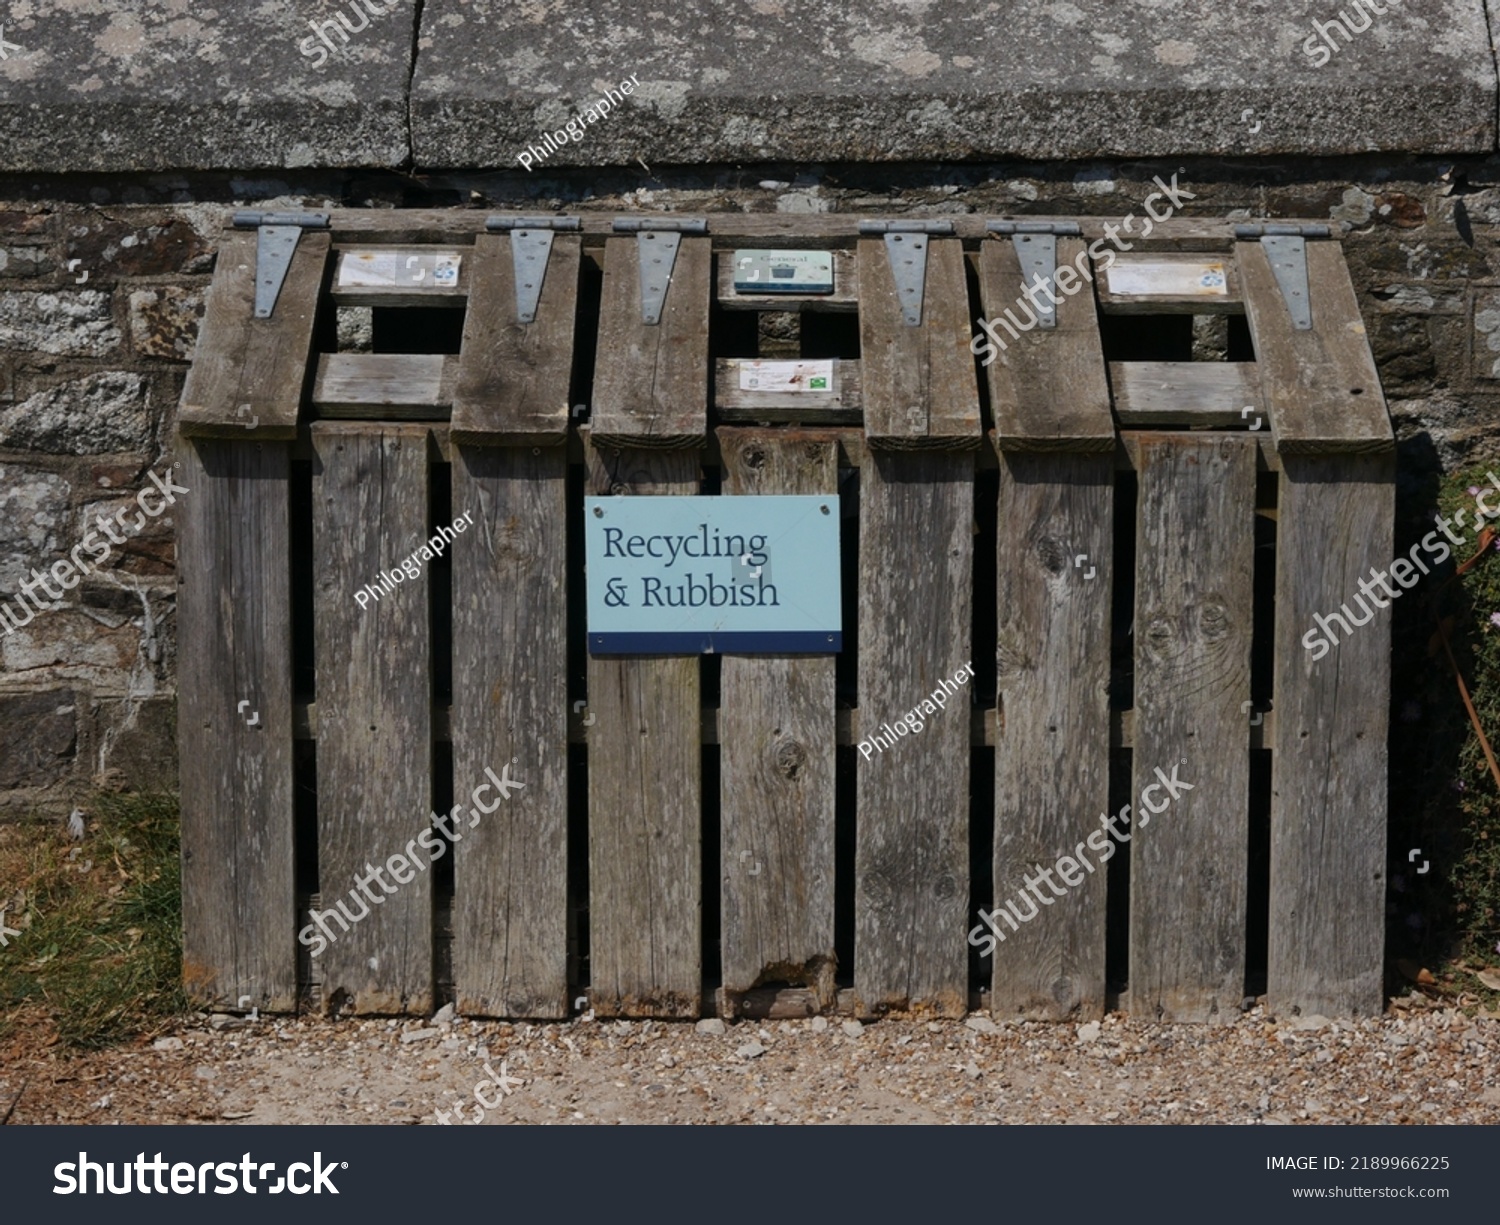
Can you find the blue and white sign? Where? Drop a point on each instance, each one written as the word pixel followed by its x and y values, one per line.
pixel 676 576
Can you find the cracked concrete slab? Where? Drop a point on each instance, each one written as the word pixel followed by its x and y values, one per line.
pixel 117 85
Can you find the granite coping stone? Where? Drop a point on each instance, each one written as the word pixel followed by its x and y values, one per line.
pixel 127 85
pixel 884 80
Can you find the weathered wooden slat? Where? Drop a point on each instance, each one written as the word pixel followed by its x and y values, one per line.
pixel 234 644
pixel 1215 292
pixel 1194 598
pixel 843 402
pixel 645 795
pixel 385 385
pixel 374 704
pixel 248 374
pixel 1321 385
pixel 984 726
pixel 789 1003
pixel 1052 758
pixel 912 846
pixel 776 764
pixel 405 290
pixel 510 709
pixel 514 378
pixel 1047 386
pixel 919 384
pixel 845 295
pixel 1180 394
pixel 852 448
pixel 787 229
pixel 1328 792
pixel 651 383
pixel 1127 456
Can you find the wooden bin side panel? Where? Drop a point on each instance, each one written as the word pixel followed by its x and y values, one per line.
pixel 919 384
pixel 248 374
pixel 1193 621
pixel 1321 384
pixel 645 796
pixel 1328 806
pixel 1052 756
pixel 510 722
pixel 234 645
pixel 912 844
pixel 776 760
pixel 514 378
pixel 1048 389
pixel 374 714
pixel 651 384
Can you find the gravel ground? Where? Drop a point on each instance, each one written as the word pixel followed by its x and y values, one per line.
pixel 1416 1064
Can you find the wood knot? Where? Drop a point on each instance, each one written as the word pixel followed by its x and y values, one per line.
pixel 790 757
pixel 1052 555
pixel 945 887
pixel 1160 636
pixel 754 457
pixel 1213 620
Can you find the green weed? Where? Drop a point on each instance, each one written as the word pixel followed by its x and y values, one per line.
pixel 100 951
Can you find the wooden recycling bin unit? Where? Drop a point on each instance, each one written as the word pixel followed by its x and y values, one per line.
pixel 986 513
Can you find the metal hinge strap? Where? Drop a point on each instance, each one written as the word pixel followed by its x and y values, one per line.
pixel 275 244
pixel 906 250
pixel 1036 247
pixel 1286 249
pixel 657 240
pixel 530 249
pixel 1281 229
pixel 499 224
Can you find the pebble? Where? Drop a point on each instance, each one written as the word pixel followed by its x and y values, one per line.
pixel 1089 1032
pixel 751 1050
pixel 419 1035
pixel 710 1025
pixel 222 1020
pixel 981 1024
pixel 167 1044
pixel 819 1025
pixel 444 1015
pixel 852 1029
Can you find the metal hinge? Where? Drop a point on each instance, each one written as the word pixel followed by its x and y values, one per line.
pixel 275 244
pixel 1286 248
pixel 906 250
pixel 656 242
pixel 1036 247
pixel 530 248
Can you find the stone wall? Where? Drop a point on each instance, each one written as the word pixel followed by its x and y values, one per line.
pixel 101 290
pixel 98 316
